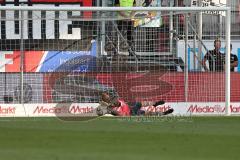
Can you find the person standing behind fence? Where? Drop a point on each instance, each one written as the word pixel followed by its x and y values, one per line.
pixel 215 58
pixel 233 59
pixel 126 23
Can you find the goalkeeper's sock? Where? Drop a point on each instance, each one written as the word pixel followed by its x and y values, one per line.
pixel 159 103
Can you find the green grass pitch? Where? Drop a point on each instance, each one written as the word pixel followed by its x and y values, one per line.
pixel 196 138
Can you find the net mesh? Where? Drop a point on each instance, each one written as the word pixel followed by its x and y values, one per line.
pixel 73 56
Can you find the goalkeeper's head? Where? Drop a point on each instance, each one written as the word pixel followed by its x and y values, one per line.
pixel 106 97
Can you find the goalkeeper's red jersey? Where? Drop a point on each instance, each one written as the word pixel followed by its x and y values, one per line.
pixel 123 110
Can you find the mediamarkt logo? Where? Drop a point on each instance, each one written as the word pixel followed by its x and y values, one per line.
pixel 235 109
pixel 212 109
pixel 7 110
pixel 63 110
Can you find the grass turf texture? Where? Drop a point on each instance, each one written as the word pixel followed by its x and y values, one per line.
pixel 208 138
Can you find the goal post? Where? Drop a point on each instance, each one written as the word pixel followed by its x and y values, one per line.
pixel 56 55
pixel 228 61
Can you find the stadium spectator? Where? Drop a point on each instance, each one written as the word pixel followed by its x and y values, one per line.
pixel 215 58
pixel 233 59
pixel 126 23
pixel 118 107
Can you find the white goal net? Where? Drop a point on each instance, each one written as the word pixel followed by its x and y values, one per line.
pixel 72 55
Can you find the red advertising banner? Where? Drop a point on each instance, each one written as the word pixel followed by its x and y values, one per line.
pixel 138 87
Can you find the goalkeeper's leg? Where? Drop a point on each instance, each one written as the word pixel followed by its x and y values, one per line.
pixel 161 102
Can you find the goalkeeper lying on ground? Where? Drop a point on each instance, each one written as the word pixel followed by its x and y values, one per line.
pixel 118 107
